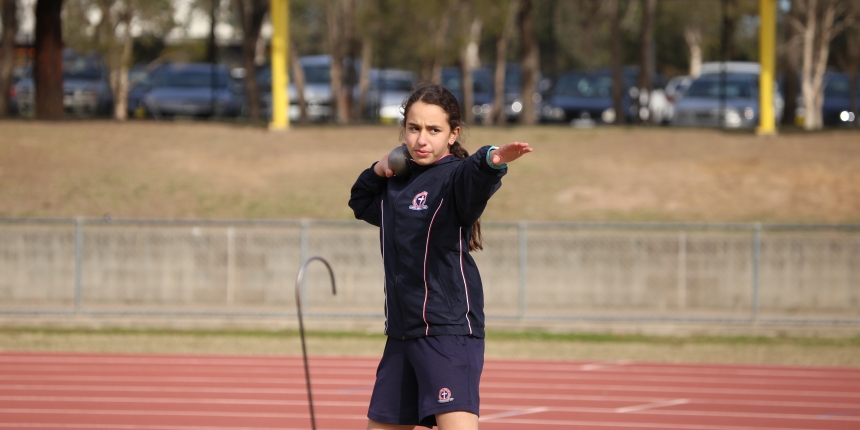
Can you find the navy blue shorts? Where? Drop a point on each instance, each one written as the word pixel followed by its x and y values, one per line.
pixel 419 378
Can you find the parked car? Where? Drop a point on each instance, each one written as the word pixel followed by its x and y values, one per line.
pixel 513 89
pixel 586 98
pixel 86 87
pixel 317 94
pixel 482 88
pixel 140 81
pixel 836 109
pixel 713 100
pixel 194 89
pixel 388 89
pixel 674 90
pixel 18 73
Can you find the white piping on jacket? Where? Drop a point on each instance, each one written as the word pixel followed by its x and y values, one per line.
pixel 426 252
pixel 465 284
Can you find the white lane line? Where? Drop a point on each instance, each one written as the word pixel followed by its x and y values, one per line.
pixel 639 378
pixel 193 361
pixel 299 379
pixel 149 413
pixel 696 414
pixel 653 402
pixel 137 427
pixel 268 370
pixel 514 413
pixel 178 400
pixel 159 389
pixel 488 386
pixel 663 426
pixel 669 389
pixel 638 408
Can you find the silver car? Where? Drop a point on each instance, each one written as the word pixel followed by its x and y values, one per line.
pixel 732 101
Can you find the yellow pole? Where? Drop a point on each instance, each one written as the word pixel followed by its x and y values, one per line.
pixel 279 12
pixel 767 58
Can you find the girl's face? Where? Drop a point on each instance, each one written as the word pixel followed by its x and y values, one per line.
pixel 428 135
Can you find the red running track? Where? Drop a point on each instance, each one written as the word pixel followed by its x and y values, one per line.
pixel 175 392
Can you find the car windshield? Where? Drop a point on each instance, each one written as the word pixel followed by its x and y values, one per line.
pixel 584 86
pixel 512 80
pixel 482 82
pixel 197 78
pixel 394 84
pixel 81 68
pixel 317 74
pixel 710 89
pixel 839 87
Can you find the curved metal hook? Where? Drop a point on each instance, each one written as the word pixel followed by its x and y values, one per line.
pixel 299 279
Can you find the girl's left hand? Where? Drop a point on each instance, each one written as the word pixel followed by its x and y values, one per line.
pixel 509 152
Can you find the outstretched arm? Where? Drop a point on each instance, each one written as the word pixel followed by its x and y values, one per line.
pixel 509 152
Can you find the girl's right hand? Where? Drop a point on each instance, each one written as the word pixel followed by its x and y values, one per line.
pixel 381 168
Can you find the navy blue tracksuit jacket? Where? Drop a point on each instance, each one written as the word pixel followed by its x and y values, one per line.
pixel 432 286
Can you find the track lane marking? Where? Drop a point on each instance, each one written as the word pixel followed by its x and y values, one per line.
pixel 507 408
pixel 140 427
pixel 645 406
pixel 514 413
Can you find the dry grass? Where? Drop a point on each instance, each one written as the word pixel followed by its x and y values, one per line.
pixel 209 170
pixel 784 351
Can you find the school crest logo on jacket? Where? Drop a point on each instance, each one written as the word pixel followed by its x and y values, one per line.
pixel 419 201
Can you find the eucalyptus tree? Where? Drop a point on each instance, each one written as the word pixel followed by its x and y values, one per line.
pixel 48 64
pixel 110 27
pixel 9 14
pixel 251 14
pixel 821 21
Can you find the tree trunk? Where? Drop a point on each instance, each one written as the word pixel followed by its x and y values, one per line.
pixel 440 42
pixel 119 75
pixel 7 62
pixel 617 77
pixel 790 59
pixel 498 113
pixel 350 54
pixel 211 47
pixel 645 63
pixel 298 81
pixel 364 79
pixel 530 63
pixel 817 34
pixel 693 36
pixel 334 19
pixel 48 67
pixel 251 15
pixel 468 61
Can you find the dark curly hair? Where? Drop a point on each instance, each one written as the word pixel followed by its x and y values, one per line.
pixel 435 94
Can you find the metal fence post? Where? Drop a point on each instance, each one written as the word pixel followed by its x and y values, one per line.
pixel 522 267
pixel 303 254
pixel 79 258
pixel 755 269
pixel 231 265
pixel 682 270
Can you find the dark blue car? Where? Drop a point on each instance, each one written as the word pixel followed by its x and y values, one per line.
pixel 836 109
pixel 587 96
pixel 482 88
pixel 194 89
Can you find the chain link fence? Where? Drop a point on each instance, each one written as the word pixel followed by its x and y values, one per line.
pixel 755 273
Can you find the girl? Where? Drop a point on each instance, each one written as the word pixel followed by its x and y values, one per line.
pixel 428 222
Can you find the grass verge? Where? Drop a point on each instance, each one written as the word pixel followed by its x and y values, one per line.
pixel 804 351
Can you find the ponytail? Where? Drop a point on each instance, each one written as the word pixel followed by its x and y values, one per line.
pixel 476 243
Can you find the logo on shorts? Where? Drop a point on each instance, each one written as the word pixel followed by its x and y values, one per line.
pixel 445 396
pixel 419 201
